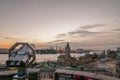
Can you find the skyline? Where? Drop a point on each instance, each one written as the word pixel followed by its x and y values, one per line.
pixel 88 24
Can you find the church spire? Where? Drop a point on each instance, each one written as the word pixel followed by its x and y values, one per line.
pixel 67 51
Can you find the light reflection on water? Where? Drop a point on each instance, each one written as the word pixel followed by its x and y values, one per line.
pixel 39 57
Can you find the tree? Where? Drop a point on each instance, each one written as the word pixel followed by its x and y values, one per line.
pixel 94 56
pixel 88 57
pixel 118 64
pixel 112 54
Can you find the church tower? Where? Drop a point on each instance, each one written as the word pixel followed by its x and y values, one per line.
pixel 67 51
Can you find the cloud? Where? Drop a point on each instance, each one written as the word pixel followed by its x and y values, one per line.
pixel 10 38
pixel 19 39
pixel 116 30
pixel 91 39
pixel 92 26
pixel 79 33
pixel 55 41
pixel 60 35
pixel 116 20
pixel 82 32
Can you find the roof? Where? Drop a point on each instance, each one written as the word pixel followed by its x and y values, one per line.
pixel 83 73
pixel 87 74
pixel 61 56
pixel 104 77
pixel 64 71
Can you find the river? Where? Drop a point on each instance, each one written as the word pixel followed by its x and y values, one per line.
pixel 39 57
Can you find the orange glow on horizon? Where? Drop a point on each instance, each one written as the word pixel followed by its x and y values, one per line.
pixel 5 45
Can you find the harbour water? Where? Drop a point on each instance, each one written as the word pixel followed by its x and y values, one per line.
pixel 39 57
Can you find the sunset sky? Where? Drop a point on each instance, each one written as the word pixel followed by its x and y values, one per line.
pixel 93 24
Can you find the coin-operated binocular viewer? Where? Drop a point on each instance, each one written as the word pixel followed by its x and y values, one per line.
pixel 21 55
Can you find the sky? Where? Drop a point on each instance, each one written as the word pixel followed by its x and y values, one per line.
pixel 91 24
